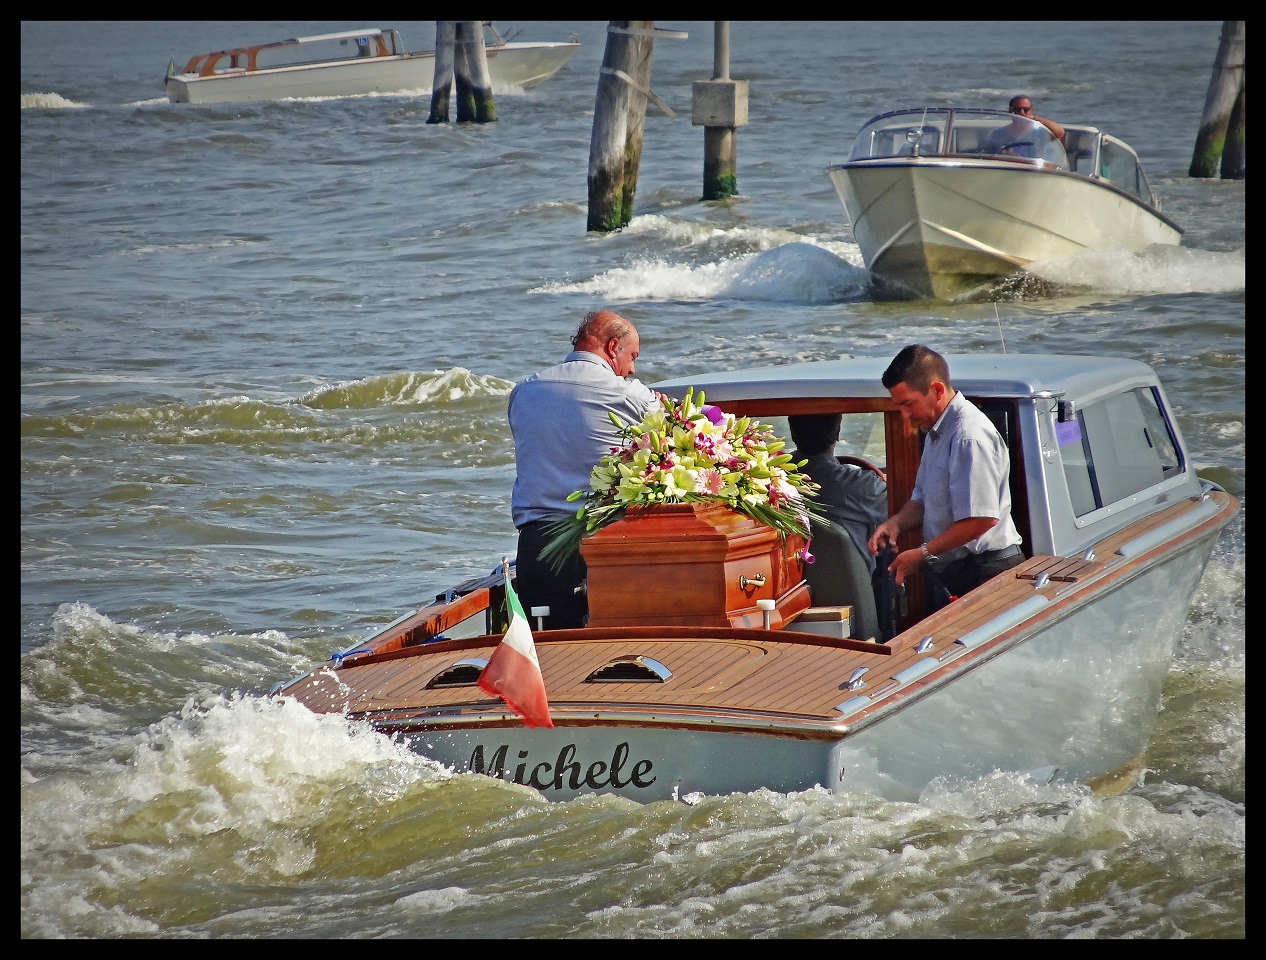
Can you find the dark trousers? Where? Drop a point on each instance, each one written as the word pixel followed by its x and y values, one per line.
pixel 956 578
pixel 540 585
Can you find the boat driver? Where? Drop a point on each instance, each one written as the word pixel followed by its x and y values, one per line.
pixel 962 496
pixel 1023 137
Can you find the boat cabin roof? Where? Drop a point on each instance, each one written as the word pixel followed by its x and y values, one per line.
pixel 1081 378
pixel 344 35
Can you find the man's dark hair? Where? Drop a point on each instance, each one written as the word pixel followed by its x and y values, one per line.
pixel 917 366
pixel 815 432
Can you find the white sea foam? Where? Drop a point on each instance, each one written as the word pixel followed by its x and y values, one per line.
pixel 797 272
pixel 50 101
pixel 1160 269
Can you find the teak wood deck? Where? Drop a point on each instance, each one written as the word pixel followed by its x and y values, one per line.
pixel 782 680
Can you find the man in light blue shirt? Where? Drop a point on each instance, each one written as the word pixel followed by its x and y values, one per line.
pixel 559 419
pixel 962 494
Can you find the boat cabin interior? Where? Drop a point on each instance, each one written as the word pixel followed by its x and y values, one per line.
pixel 874 434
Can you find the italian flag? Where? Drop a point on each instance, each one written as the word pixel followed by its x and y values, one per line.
pixel 513 673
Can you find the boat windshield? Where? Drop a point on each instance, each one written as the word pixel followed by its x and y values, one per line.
pixel 948 132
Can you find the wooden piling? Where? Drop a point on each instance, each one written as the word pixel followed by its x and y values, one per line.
pixel 474 85
pixel 640 56
pixel 610 205
pixel 1233 152
pixel 1225 87
pixel 445 53
pixel 485 108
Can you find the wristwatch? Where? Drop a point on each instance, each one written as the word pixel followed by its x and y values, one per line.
pixel 928 555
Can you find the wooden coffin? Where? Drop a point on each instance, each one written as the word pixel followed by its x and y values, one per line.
pixel 692 564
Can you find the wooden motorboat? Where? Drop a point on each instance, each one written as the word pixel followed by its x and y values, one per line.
pixel 347 64
pixel 708 664
pixel 945 201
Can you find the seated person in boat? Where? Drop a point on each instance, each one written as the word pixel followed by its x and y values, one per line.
pixel 962 495
pixel 1028 135
pixel 855 499
pixel 560 421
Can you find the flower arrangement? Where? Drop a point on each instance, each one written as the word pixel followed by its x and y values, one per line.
pixel 690 452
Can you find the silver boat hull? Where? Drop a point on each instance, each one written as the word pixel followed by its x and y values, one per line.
pixel 1070 694
pixel 939 229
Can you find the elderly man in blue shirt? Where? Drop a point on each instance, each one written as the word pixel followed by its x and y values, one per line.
pixel 559 419
pixel 962 494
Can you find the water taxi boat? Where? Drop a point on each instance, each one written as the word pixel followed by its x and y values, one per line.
pixel 716 660
pixel 946 201
pixel 347 64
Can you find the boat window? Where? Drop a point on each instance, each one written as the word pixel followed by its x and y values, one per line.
pixel 1119 164
pixel 903 138
pixel 319 51
pixel 631 669
pixel 861 435
pixel 1080 146
pixel 463 673
pixel 969 138
pixel 1116 448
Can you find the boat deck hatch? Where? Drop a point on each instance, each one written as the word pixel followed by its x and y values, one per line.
pixel 630 669
pixel 463 673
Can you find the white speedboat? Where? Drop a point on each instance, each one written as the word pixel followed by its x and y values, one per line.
pixel 716 660
pixel 945 201
pixel 348 64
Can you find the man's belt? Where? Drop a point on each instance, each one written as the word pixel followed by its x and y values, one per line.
pixel 989 556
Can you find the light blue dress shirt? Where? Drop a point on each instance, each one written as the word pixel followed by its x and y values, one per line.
pixel 561 430
pixel 964 472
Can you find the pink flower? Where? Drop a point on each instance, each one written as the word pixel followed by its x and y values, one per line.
pixel 805 555
pixel 710 481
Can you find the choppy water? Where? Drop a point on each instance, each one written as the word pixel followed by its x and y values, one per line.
pixel 265 354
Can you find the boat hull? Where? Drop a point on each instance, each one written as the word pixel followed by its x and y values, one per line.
pixel 937 229
pixel 521 65
pixel 1057 676
pixel 1056 700
pixel 1064 700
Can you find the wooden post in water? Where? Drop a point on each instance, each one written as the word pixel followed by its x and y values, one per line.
pixel 485 108
pixel 474 85
pixel 607 144
pixel 619 118
pixel 1233 153
pixel 1225 87
pixel 720 106
pixel 641 47
pixel 445 52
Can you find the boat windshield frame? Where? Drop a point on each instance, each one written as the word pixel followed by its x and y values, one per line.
pixel 956 133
